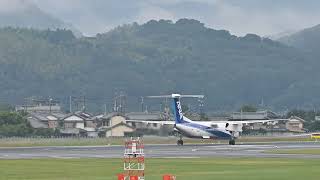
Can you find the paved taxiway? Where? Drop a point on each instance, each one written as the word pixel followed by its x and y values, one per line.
pixel 160 151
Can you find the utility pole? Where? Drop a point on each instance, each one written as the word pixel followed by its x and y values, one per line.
pixel 201 104
pixel 50 100
pixel 70 104
pixel 84 104
pixel 120 103
pixel 142 104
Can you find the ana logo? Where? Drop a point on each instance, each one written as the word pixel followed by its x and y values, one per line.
pixel 179 109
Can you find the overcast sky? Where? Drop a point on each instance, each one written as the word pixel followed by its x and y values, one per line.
pixel 263 17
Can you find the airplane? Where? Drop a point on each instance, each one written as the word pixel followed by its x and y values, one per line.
pixel 229 130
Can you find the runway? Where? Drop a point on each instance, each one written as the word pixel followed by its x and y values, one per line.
pixel 161 151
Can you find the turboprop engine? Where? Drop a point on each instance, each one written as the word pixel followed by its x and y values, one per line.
pixel 234 128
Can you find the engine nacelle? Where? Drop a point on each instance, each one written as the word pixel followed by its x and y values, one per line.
pixel 234 127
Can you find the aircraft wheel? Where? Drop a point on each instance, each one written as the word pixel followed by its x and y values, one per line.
pixel 232 142
pixel 180 142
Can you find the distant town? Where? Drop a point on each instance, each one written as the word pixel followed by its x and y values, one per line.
pixel 79 122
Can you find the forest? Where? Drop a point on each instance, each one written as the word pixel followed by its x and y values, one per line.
pixel 158 57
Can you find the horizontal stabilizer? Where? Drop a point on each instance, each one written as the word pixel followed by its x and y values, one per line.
pixel 176 96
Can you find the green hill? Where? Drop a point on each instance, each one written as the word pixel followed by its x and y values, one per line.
pixel 158 57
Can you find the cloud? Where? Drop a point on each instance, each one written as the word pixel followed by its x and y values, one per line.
pixel 91 17
pixel 250 16
pixel 9 6
pixel 149 11
pixel 240 17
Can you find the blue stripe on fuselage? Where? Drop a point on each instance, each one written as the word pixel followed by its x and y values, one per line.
pixel 215 132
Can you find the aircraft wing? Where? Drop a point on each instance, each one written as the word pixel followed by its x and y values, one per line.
pixel 259 121
pixel 236 126
pixel 153 122
pixel 252 121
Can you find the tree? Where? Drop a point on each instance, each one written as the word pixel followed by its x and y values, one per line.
pixel 155 58
pixel 5 107
pixel 16 124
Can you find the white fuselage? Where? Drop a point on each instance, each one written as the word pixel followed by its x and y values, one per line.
pixel 203 130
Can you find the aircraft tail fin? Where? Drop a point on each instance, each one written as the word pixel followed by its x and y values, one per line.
pixel 177 109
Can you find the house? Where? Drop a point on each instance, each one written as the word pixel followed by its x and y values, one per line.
pixel 70 132
pixel 89 132
pixel 37 121
pixel 43 113
pixel 295 124
pixel 114 125
pixel 79 124
pixel 44 119
pixel 73 121
pixel 90 121
pixel 119 130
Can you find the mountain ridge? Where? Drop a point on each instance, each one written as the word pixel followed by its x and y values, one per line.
pixel 158 57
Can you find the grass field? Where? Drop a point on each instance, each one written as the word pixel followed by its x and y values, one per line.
pixel 295 151
pixel 24 142
pixel 184 169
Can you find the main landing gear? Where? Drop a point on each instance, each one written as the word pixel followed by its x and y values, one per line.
pixel 180 141
pixel 232 141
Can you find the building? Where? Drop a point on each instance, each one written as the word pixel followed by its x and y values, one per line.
pixel 114 125
pixel 79 124
pixel 90 121
pixel 43 108
pixel 40 105
pixel 295 124
pixel 119 130
pixel 43 113
pixel 37 121
pixel 45 119
pixel 73 121
pixel 90 132
pixel 69 132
